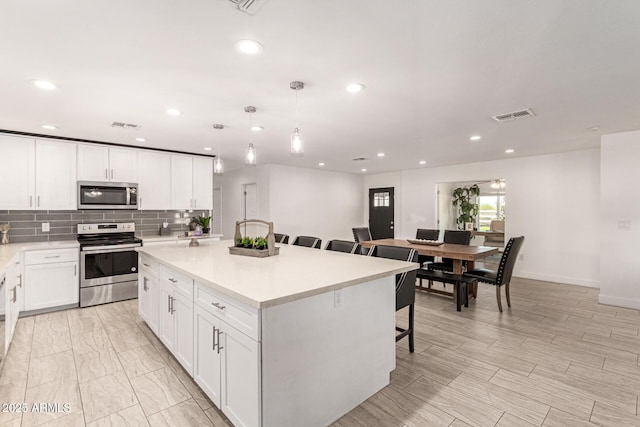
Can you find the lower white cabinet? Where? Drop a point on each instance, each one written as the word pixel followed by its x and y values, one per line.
pixel 227 368
pixel 51 278
pixel 148 306
pixel 175 319
pixel 12 281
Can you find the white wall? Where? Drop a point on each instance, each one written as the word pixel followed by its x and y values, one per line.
pixel 553 200
pixel 231 195
pixel 620 204
pixel 316 203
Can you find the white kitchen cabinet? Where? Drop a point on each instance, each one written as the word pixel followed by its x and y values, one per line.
pixel 202 183
pixel 191 182
pixel 148 305
pixel 227 362
pixel 55 176
pixel 13 283
pixel 102 163
pixel 154 180
pixel 181 182
pixel 175 319
pixel 18 169
pixel 42 174
pixel 51 278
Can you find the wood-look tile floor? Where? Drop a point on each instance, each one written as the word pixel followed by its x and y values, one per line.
pixel 556 358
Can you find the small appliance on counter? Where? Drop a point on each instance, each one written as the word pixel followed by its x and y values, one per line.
pixel 108 262
pixel 4 228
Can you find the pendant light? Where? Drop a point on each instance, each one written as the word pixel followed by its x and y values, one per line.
pixel 250 152
pixel 297 146
pixel 218 163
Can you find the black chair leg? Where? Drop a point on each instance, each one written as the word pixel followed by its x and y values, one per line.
pixel 498 298
pixel 457 287
pixel 506 291
pixel 411 346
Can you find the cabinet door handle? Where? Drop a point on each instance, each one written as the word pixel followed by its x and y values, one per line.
pixel 173 305
pixel 20 279
pixel 214 338
pixel 106 174
pixel 218 306
pixel 169 303
pixel 140 202
pixel 144 285
pixel 219 347
pixel 52 256
pixel 75 270
pixel 195 203
pixel 15 294
pixel 146 265
pixel 111 173
pixel 30 201
pixel 38 201
pixel 173 280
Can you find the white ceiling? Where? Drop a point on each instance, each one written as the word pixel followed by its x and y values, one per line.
pixel 435 71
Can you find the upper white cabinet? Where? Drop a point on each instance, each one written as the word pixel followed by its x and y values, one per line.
pixel 191 182
pixel 18 169
pixel 42 174
pixel 102 163
pixel 154 183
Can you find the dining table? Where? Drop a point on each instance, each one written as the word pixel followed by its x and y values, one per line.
pixel 458 253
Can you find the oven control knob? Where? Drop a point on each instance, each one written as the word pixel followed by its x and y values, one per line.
pixel 133 269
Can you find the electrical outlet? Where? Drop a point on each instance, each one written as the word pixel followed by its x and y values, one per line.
pixel 624 225
pixel 45 227
pixel 337 298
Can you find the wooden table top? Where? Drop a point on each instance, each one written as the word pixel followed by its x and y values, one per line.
pixel 446 250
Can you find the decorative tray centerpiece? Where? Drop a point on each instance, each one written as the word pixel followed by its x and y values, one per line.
pixel 425 242
pixel 258 247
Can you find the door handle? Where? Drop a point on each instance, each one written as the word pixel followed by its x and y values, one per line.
pixel 106 174
pixel 15 297
pixel 30 201
pixel 219 347
pixel 173 307
pixel 111 173
pixel 38 201
pixel 218 306
pixel 75 270
pixel 20 279
pixel 214 338
pixel 169 303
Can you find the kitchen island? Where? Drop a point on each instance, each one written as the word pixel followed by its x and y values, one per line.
pixel 300 338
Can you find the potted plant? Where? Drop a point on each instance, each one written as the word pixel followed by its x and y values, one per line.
pixel 204 221
pixel 239 243
pixel 247 242
pixel 260 243
pixel 464 198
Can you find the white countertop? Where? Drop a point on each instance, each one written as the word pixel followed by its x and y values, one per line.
pixel 7 252
pixel 175 236
pixel 294 274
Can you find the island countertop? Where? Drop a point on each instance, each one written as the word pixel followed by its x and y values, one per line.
pixel 295 273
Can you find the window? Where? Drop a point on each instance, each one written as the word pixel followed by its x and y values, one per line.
pixel 381 199
pixel 491 208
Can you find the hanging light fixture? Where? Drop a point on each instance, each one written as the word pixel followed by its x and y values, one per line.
pixel 250 152
pixel 498 183
pixel 297 147
pixel 218 163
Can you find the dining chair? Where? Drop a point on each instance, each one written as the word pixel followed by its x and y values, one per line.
pixel 459 237
pixel 405 285
pixel 426 234
pixel 307 242
pixel 361 234
pixel 281 238
pixel 343 246
pixel 501 277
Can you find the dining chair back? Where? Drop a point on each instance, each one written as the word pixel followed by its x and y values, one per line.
pixel 426 234
pixel 458 237
pixel 343 246
pixel 502 276
pixel 281 238
pixel 361 234
pixel 405 285
pixel 307 242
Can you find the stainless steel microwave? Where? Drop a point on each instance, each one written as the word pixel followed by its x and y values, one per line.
pixel 107 195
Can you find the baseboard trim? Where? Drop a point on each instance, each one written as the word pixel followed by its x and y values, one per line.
pixel 558 279
pixel 619 302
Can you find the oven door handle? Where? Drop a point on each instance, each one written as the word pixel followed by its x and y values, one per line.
pixel 109 248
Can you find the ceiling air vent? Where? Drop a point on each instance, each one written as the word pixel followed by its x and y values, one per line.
pixel 247 6
pixel 523 114
pixel 359 159
pixel 123 125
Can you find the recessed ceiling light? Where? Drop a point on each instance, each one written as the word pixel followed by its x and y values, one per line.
pixel 256 128
pixel 140 139
pixel 475 138
pixel 363 170
pixel 207 148
pixel 173 112
pixel 249 47
pixel 354 87
pixel 321 164
pixel 423 162
pixel 49 127
pixel 44 84
pixel 509 150
pixel 593 128
pixel 380 154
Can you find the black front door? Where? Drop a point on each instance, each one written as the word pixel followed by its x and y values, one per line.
pixel 381 202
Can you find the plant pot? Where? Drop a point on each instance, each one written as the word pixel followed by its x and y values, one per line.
pixel 206 230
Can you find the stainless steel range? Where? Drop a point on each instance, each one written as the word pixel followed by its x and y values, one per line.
pixel 108 262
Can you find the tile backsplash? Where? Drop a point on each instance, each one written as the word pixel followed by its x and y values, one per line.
pixel 26 226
